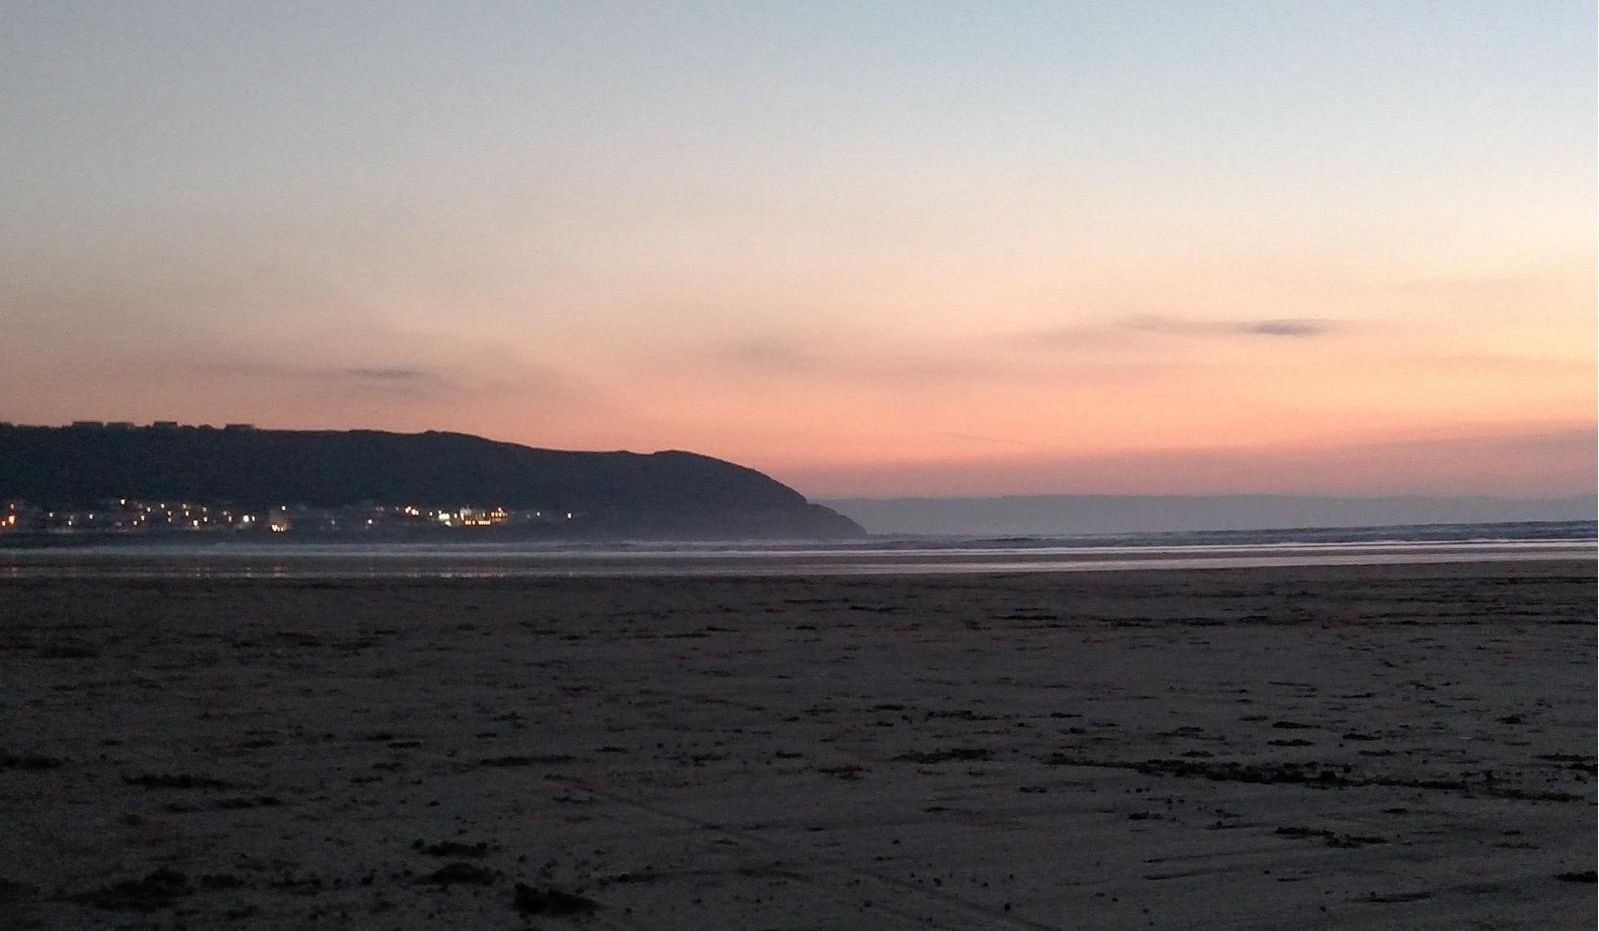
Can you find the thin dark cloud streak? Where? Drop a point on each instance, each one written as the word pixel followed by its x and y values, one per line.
pixel 1293 328
pixel 528 382
pixel 409 382
pixel 323 373
pixel 383 374
pixel 1126 331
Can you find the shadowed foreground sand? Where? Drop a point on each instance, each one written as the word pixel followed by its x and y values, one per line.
pixel 1384 747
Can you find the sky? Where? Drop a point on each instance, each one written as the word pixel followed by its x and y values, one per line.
pixel 870 249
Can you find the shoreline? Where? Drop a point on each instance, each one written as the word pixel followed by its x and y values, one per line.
pixel 238 561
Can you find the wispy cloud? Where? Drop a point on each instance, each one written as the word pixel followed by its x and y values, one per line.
pixel 823 358
pixel 1127 331
pixel 1294 328
pixel 406 381
pixel 381 374
pixel 1278 327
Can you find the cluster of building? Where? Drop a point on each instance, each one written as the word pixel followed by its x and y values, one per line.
pixel 155 425
pixel 121 425
pixel 129 516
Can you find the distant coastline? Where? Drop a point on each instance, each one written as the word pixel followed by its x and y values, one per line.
pixel 1035 515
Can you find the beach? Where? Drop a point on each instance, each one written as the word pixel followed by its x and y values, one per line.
pixel 1384 746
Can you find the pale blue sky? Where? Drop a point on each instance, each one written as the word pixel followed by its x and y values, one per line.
pixel 577 224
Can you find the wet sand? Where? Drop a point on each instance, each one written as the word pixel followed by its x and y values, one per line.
pixel 1335 747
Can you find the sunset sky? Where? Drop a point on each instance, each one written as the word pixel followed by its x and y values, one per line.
pixel 869 248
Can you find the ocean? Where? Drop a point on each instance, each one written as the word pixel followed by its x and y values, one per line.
pixel 876 555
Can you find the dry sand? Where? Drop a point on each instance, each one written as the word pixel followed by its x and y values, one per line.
pixel 1344 747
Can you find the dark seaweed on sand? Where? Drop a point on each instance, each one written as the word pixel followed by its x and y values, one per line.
pixel 549 759
pixel 175 781
pixel 954 754
pixel 461 873
pixel 531 901
pixel 452 849
pixel 155 891
pixel 28 761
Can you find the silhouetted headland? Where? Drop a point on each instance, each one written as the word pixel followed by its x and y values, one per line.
pixel 670 494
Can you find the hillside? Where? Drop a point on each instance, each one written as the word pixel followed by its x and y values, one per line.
pixel 664 494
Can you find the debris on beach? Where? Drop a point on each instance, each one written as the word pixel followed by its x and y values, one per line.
pixel 28 761
pixel 451 848
pixel 175 781
pixel 551 901
pixel 153 892
pixel 952 755
pixel 461 872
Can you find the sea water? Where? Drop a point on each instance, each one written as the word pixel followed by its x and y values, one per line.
pixel 874 555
